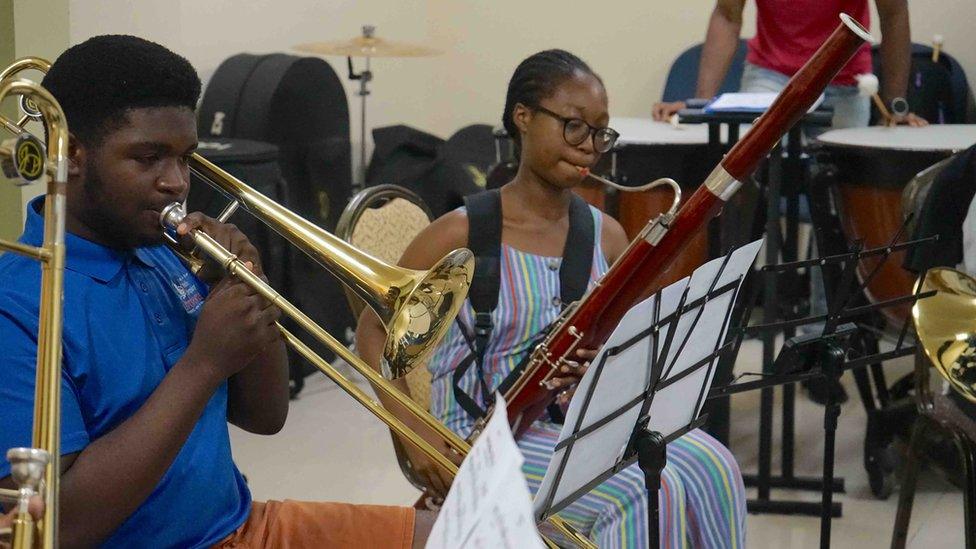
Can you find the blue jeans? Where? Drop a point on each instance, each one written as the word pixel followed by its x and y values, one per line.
pixel 850 109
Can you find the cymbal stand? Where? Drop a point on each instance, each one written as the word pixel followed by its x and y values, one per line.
pixel 364 78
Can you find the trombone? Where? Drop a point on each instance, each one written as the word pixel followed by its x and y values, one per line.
pixel 36 470
pixel 417 307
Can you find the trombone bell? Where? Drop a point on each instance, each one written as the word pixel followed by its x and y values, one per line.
pixel 417 307
pixel 946 327
pixel 416 327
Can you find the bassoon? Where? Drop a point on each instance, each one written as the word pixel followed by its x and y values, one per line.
pixel 639 271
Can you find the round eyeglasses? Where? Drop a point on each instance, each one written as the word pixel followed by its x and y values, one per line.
pixel 576 131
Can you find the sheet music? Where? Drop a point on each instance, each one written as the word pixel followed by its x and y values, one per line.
pixel 625 375
pixel 489 504
pixel 748 102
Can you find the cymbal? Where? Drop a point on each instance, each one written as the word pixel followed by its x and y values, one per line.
pixel 367 45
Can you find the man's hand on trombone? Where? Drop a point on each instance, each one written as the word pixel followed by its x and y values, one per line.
pixel 228 236
pixel 437 480
pixel 236 323
pixel 36 509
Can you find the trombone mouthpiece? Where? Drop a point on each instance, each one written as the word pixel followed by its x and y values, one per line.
pixel 172 215
pixel 27 466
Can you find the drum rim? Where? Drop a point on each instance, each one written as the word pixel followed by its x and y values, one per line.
pixel 885 148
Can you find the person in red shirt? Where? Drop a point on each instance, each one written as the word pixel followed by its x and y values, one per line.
pixel 788 32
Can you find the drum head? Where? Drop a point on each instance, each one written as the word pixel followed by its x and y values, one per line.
pixel 646 131
pixel 936 138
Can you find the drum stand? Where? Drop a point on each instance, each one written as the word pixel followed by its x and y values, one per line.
pixel 788 169
pixel 885 414
pixel 782 247
pixel 366 45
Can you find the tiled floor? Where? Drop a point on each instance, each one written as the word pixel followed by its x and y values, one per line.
pixel 332 449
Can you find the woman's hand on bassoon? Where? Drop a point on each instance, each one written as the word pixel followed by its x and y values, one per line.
pixel 573 371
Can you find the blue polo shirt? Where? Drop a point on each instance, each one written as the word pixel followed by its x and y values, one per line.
pixel 128 318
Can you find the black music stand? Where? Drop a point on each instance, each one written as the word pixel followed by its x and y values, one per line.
pixel 617 417
pixel 827 355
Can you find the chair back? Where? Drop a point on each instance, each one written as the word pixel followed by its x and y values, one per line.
pixel 383 220
pixel 683 74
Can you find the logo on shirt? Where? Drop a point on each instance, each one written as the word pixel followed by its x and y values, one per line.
pixel 187 291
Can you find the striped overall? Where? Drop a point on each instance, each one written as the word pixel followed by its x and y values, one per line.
pixel 702 497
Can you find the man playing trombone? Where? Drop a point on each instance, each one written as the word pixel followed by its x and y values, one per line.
pixel 157 360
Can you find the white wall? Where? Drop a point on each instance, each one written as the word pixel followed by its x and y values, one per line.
pixel 629 42
pixel 953 19
pixel 207 32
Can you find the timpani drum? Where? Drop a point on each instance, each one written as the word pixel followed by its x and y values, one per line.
pixel 873 166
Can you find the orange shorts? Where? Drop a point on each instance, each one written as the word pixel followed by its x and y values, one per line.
pixel 297 524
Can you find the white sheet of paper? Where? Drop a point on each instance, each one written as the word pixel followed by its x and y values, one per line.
pixel 489 500
pixel 625 375
pixel 749 102
pixel 507 521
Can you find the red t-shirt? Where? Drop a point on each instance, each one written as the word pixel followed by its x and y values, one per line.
pixel 788 32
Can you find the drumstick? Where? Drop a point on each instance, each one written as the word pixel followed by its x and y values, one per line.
pixel 889 120
pixel 936 47
pixel 867 86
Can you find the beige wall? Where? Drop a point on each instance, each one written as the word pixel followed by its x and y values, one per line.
pixel 9 195
pixel 40 30
pixel 630 43
pixel 953 19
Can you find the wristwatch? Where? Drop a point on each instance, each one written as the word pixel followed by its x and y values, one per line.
pixel 899 107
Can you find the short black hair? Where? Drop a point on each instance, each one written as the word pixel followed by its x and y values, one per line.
pixel 99 80
pixel 536 78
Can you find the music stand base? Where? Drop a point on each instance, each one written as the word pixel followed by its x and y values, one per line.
pixel 782 507
pixel 652 456
pixel 812 484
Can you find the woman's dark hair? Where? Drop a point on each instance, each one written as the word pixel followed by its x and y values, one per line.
pixel 100 79
pixel 536 78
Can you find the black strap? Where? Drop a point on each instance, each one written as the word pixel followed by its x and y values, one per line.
pixel 574 274
pixel 484 239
